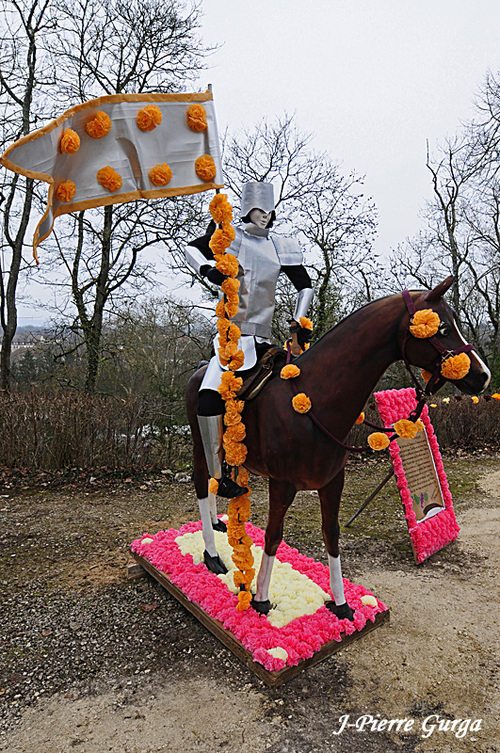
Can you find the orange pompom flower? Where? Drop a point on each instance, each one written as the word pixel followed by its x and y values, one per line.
pixel 420 425
pixel 475 399
pixel 301 403
pixel 425 323
pixel 236 454
pixel 229 385
pixel 237 360
pixel 236 433
pixel 360 418
pixel 205 168
pixel 456 367
pixel 405 428
pixel 109 178
pixel 305 323
pixel 244 599
pixel 290 371
pixel 496 395
pixel 220 209
pixel 66 191
pixel 378 441
pixel 218 243
pixel 213 486
pixel 99 126
pixel 69 143
pixel 228 265
pixel 233 410
pixel 149 117
pixel 230 286
pixel 196 117
pixel 160 175
pixel 232 308
pixel 234 333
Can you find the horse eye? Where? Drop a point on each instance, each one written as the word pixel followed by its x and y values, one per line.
pixel 444 329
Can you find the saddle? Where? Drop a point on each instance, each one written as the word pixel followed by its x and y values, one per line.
pixel 265 369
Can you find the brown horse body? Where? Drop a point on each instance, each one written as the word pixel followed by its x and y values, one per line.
pixel 338 374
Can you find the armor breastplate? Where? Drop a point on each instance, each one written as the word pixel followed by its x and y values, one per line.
pixel 258 275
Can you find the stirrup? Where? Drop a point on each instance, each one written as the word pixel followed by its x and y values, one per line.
pixel 229 488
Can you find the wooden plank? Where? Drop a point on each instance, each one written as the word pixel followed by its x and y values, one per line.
pixel 135 571
pixel 272 679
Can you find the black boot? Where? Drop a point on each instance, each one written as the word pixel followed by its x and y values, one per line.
pixel 229 488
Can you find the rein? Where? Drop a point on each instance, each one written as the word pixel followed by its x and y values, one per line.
pixel 420 393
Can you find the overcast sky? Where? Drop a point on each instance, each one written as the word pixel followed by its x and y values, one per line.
pixel 371 80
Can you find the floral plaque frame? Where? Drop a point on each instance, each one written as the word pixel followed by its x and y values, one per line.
pixel 420 476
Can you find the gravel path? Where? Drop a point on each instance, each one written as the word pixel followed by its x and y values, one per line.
pixel 93 662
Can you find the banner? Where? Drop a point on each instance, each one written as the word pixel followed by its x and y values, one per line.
pixel 119 148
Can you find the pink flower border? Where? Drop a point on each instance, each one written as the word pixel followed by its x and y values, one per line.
pixel 433 534
pixel 301 638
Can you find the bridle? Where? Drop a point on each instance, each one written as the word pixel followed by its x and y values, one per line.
pixel 421 394
pixel 445 353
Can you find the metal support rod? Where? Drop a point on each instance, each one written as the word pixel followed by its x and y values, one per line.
pixel 372 495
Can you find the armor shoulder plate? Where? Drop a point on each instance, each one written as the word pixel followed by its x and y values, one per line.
pixel 288 250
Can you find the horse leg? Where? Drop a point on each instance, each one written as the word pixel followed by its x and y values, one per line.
pixel 330 502
pixel 281 496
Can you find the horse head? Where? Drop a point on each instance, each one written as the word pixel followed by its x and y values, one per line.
pixel 430 352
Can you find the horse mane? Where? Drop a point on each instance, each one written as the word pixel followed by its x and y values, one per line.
pixel 349 316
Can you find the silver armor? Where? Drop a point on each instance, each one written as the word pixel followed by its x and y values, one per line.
pixel 261 256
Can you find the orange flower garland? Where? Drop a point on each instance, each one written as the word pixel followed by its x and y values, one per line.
pixel 232 356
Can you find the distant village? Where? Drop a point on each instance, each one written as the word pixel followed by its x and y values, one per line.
pixel 27 338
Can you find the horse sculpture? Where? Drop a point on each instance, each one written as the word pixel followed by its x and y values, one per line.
pixel 338 374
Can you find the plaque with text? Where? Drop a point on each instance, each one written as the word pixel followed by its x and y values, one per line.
pixel 420 476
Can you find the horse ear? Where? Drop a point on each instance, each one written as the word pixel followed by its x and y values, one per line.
pixel 439 290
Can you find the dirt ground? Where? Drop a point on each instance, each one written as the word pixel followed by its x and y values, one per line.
pixel 95 663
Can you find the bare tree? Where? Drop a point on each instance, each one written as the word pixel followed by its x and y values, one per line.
pixel 26 79
pixel 111 48
pixel 463 226
pixel 317 202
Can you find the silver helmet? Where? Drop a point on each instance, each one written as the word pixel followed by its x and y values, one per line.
pixel 256 196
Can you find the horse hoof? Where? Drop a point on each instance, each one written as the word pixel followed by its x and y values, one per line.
pixel 220 526
pixel 262 607
pixel 214 564
pixel 343 612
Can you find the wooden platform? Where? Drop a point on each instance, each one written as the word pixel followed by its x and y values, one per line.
pixel 273 679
